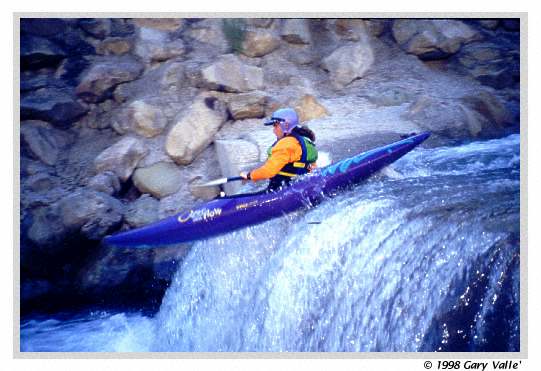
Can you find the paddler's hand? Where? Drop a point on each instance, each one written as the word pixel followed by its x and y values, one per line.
pixel 245 175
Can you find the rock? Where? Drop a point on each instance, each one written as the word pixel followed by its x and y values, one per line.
pixel 142 211
pixel 432 39
pixel 195 129
pixel 46 228
pixel 89 213
pixel 308 108
pixel 162 24
pixel 96 27
pixel 296 31
pixel 54 105
pixel 38 52
pixel 44 27
pixel 160 180
pixel 115 46
pixel 489 107
pixel 376 27
pixel 235 156
pixel 260 22
pixel 511 24
pixel 211 33
pixel 43 141
pixel 490 24
pixel 248 105
pixel 154 45
pixel 121 158
pixel 39 182
pixel 99 80
pixel 490 64
pixel 231 75
pixel 350 29
pixel 145 119
pixel 348 63
pixel 259 42
pixel 106 182
pixel 471 116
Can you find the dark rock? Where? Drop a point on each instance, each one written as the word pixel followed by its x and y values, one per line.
pixel 89 213
pixel 43 26
pixel 96 27
pixel 99 80
pixel 57 106
pixel 38 52
pixel 70 70
pixel 511 24
pixel 121 27
pixel 32 81
pixel 106 182
pixel 43 141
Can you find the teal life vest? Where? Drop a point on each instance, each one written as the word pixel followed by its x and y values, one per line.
pixel 309 156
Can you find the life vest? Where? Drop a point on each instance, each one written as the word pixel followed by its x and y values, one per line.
pixel 309 156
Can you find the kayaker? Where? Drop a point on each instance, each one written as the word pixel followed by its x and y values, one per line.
pixel 294 152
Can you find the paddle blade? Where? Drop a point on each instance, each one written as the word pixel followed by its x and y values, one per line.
pixel 218 181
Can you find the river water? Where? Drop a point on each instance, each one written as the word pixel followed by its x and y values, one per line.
pixel 424 260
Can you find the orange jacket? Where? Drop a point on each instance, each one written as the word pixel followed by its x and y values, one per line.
pixel 287 150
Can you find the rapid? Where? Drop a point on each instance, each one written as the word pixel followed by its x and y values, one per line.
pixel 425 257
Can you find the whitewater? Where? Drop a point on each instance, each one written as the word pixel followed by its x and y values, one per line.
pixel 427 259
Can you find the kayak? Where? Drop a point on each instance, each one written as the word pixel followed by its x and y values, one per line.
pixel 225 214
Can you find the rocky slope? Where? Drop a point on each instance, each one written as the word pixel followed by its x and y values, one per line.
pixel 120 118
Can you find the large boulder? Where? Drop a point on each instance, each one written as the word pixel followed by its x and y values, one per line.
pixel 432 39
pixel 55 105
pixel 162 24
pixel 160 179
pixel 234 156
pixel 43 141
pixel 491 64
pixel 142 211
pixel 106 182
pixel 195 129
pixel 230 74
pixel 154 45
pixel 308 108
pixel 38 52
pixel 96 27
pixel 350 29
pixel 479 115
pixel 348 63
pixel 89 213
pixel 121 158
pixel 144 119
pixel 259 42
pixel 101 78
pixel 115 46
pixel 248 105
pixel 45 27
pixel 296 31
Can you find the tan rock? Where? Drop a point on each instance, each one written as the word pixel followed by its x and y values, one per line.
pixel 163 24
pixel 229 73
pixel 296 31
pixel 259 42
pixel 146 120
pixel 195 129
pixel 121 158
pixel 308 108
pixel 159 180
pixel 114 46
pixel 348 63
pixel 248 105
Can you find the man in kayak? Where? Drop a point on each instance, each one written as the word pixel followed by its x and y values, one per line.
pixel 294 152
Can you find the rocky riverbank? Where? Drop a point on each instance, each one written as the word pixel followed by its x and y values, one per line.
pixel 120 118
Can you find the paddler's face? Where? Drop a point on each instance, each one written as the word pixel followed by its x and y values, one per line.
pixel 277 130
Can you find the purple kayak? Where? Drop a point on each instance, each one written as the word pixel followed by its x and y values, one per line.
pixel 226 214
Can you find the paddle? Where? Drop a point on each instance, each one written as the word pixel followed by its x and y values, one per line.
pixel 220 181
